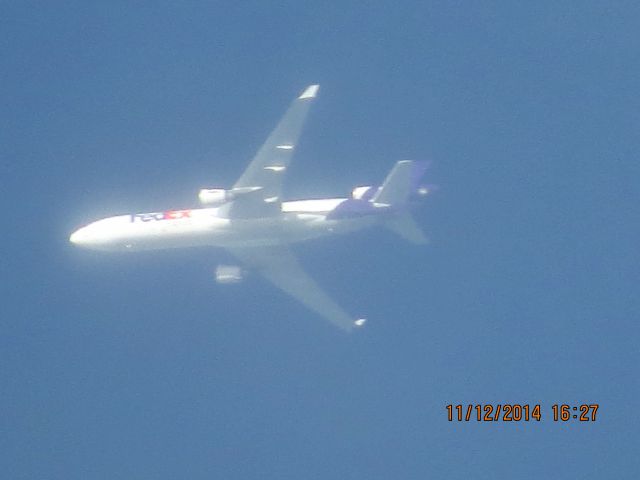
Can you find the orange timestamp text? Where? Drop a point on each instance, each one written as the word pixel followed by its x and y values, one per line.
pixel 517 412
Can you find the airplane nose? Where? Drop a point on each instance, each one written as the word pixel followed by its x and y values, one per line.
pixel 76 237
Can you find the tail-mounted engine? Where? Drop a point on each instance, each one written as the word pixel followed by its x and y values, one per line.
pixel 363 193
pixel 213 196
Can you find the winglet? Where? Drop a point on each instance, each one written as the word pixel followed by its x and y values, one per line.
pixel 310 92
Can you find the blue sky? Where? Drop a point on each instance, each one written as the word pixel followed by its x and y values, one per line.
pixel 140 366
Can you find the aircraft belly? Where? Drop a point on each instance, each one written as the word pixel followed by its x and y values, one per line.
pixel 267 232
pixel 287 230
pixel 339 227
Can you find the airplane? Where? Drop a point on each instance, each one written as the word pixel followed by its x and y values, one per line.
pixel 256 226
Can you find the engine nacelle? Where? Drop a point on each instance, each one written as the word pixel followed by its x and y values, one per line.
pixel 213 196
pixel 229 274
pixel 362 193
pixel 218 196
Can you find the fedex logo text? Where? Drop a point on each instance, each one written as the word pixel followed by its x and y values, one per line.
pixel 168 215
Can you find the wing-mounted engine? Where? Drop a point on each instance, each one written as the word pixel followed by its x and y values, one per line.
pixel 229 274
pixel 220 196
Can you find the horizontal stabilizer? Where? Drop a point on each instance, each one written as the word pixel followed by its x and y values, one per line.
pixel 405 226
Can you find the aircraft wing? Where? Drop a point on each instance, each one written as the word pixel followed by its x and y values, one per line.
pixel 268 167
pixel 280 267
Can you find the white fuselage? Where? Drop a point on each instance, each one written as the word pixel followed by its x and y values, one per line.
pixel 301 220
